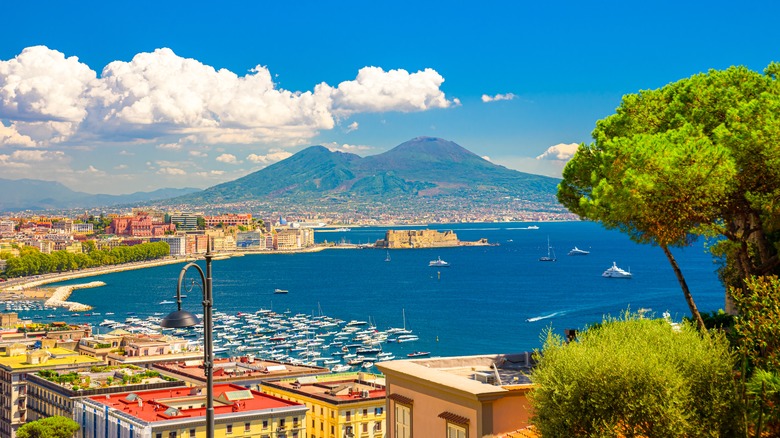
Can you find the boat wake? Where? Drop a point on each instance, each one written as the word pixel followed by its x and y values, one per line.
pixel 539 318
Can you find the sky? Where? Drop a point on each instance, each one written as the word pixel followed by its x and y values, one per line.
pixel 120 97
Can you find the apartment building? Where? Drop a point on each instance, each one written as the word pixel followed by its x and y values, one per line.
pixel 180 412
pixel 458 397
pixel 340 405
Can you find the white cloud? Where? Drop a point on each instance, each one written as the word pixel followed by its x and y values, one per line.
pixel 172 171
pixel 351 148
pixel 486 158
pixel 227 158
pixel 198 154
pixel 169 146
pixel 561 152
pixel 271 157
pixel 497 97
pixel 10 136
pixel 120 167
pixel 376 90
pixel 51 98
pixel 352 127
pixel 210 173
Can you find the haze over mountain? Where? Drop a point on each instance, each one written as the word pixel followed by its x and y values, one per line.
pixel 34 194
pixel 424 168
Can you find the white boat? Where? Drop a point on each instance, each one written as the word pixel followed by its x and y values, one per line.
pixel 167 302
pixel 550 257
pixel 438 263
pixel 387 259
pixel 341 368
pixel 532 227
pixel 615 272
pixel 280 291
pixel 577 252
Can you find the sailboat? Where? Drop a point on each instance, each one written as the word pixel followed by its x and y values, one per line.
pixel 387 259
pixel 550 257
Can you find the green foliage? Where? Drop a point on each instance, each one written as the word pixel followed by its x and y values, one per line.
pixel 758 325
pixel 33 262
pixel 52 427
pixel 764 390
pixel 636 377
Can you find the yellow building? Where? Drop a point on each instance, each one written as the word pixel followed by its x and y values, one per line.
pixel 15 365
pixel 180 412
pixel 340 405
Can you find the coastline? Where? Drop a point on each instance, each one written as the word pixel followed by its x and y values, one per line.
pixel 61 294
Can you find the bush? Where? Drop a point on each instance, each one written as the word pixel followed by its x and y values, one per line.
pixel 636 377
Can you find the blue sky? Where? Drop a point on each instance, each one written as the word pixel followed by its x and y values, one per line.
pixel 117 97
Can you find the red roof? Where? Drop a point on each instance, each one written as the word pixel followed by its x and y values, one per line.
pixel 170 403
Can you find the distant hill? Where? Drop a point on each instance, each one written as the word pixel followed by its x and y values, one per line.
pixel 33 194
pixel 423 168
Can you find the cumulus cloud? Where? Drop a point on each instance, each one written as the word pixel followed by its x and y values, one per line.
pixel 172 171
pixel 169 146
pixel 486 158
pixel 28 157
pixel 497 97
pixel 227 158
pixel 271 157
pixel 561 152
pixel 352 127
pixel 51 98
pixel 351 148
pixel 376 90
pixel 198 154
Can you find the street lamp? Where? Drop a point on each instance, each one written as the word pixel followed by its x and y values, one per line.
pixel 182 318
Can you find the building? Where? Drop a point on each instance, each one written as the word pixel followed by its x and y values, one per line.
pixel 245 371
pixel 147 349
pixel 294 238
pixel 185 221
pixel 139 226
pixel 460 397
pixel 230 219
pixel 80 228
pixel 180 412
pixel 178 244
pixel 16 364
pixel 52 392
pixel 340 405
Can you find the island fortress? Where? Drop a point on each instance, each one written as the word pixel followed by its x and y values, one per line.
pixel 399 239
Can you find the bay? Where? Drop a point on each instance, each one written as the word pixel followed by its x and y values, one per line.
pixel 491 299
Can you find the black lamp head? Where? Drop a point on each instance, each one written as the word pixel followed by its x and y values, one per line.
pixel 179 319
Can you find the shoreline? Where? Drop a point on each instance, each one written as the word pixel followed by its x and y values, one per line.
pixel 61 294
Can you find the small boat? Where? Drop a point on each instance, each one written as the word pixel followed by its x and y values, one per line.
pixel 550 257
pixel 577 252
pixel 532 227
pixel 341 368
pixel 615 272
pixel 167 302
pixel 280 291
pixel 387 258
pixel 367 365
pixel 418 354
pixel 438 263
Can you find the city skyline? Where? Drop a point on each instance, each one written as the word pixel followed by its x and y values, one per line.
pixel 109 98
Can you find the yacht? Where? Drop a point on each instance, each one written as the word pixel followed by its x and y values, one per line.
pixel 615 272
pixel 550 257
pixel 577 252
pixel 280 291
pixel 438 263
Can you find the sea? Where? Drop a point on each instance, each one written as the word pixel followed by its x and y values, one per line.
pixel 490 299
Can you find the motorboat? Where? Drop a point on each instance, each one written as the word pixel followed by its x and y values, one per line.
pixel 532 227
pixel 418 354
pixel 438 263
pixel 578 252
pixel 280 291
pixel 615 272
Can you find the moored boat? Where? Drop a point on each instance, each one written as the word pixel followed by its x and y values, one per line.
pixel 418 354
pixel 578 252
pixel 438 263
pixel 615 272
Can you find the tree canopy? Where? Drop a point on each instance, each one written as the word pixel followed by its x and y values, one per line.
pixel 700 156
pixel 51 427
pixel 636 377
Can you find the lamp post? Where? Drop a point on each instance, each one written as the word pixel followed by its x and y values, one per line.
pixel 182 318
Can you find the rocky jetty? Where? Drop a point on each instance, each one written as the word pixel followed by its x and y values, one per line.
pixel 402 239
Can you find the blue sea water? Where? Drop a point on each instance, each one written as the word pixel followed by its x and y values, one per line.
pixel 492 299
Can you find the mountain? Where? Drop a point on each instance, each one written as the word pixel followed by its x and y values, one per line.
pixel 424 169
pixel 33 194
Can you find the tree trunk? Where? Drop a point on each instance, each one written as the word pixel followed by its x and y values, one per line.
pixel 687 292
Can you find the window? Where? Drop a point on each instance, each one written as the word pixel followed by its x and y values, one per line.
pixel 365 412
pixel 365 427
pixel 403 421
pixel 158 435
pixel 265 424
pixel 455 431
pixel 228 428
pixel 172 434
pixel 349 415
pixel 378 426
pixel 247 427
pixel 379 411
pixel 281 422
pixel 192 433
